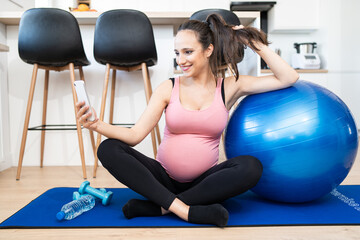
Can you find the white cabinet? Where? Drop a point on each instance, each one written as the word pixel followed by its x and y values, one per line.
pixel 330 81
pixel 321 79
pixel 318 78
pixel 293 16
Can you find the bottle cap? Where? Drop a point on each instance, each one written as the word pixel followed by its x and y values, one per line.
pixel 60 215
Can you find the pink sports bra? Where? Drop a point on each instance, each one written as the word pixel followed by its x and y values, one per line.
pixel 191 139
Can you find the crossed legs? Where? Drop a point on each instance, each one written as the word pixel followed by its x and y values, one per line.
pixel 196 202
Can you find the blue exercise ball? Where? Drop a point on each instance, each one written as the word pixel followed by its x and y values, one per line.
pixel 304 135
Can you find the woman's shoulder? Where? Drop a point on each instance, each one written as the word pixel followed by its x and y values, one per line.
pixel 233 89
pixel 166 85
pixel 229 81
pixel 233 83
pixel 164 90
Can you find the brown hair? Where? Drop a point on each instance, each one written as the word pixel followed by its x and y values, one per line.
pixel 228 44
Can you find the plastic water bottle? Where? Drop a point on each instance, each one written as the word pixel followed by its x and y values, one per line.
pixel 75 208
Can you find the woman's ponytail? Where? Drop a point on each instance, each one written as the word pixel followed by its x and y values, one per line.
pixel 229 44
pixel 250 35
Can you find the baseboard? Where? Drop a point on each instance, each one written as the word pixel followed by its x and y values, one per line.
pixel 5 162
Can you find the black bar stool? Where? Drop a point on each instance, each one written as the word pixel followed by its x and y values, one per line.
pixel 124 40
pixel 50 39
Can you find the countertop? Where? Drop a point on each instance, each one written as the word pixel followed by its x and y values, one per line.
pixel 3 48
pixel 300 71
pixel 156 18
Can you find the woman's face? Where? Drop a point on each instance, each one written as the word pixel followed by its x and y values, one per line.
pixel 190 55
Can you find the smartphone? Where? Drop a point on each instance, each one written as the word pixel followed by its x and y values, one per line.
pixel 82 96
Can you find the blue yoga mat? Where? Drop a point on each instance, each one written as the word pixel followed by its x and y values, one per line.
pixel 340 207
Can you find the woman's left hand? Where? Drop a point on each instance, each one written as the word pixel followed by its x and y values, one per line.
pixel 83 114
pixel 243 39
pixel 237 27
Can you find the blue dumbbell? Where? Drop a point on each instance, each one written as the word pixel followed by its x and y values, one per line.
pixel 77 195
pixel 102 194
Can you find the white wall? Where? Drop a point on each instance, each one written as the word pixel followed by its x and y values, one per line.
pixel 104 5
pixel 350 56
pixel 6 5
pixel 338 40
pixel 5 157
pixel 142 5
pixel 350 36
pixel 161 5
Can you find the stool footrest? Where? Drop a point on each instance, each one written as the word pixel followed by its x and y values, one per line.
pixel 50 127
pixel 53 127
pixel 128 125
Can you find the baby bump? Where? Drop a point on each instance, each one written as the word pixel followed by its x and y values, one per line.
pixel 186 157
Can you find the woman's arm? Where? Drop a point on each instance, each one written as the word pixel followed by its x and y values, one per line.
pixel 283 74
pixel 143 126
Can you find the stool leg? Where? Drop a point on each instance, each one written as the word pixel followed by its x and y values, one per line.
pixel 102 111
pixel 92 139
pixel 43 122
pixel 150 89
pixel 81 144
pixel 90 131
pixel 148 93
pixel 27 118
pixel 112 97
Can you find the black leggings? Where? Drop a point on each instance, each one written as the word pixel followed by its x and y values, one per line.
pixel 147 177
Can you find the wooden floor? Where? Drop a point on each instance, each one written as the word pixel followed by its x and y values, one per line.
pixel 34 181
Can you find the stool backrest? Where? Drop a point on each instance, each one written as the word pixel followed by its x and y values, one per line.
pixel 229 17
pixel 124 37
pixel 50 36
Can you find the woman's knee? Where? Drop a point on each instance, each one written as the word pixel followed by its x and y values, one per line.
pixel 252 165
pixel 108 149
pixel 255 166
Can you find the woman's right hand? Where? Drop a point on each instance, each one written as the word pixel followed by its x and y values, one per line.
pixel 237 27
pixel 83 117
pixel 243 39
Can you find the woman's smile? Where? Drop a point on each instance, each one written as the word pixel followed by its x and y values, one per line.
pixel 185 67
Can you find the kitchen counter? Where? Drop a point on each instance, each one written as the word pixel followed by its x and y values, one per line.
pixel 3 48
pixel 156 18
pixel 300 71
